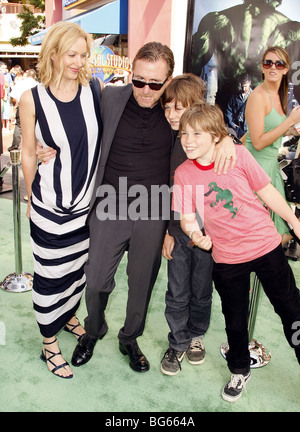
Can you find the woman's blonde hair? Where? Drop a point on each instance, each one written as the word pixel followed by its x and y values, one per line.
pixel 208 117
pixel 58 40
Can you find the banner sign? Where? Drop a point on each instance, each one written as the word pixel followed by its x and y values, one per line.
pixel 227 38
pixel 69 2
pixel 106 65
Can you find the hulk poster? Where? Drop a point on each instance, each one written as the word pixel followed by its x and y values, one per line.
pixel 228 39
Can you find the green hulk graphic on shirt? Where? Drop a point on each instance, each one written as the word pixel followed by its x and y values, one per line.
pixel 222 195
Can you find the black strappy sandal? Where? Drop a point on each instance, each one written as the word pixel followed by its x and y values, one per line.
pixel 73 327
pixel 56 367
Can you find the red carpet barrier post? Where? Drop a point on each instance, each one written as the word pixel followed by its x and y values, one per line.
pixel 258 353
pixel 18 281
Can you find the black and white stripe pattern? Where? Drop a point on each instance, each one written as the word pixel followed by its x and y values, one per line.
pixel 61 194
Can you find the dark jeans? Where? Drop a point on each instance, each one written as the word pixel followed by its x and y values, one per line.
pixel 232 281
pixel 189 294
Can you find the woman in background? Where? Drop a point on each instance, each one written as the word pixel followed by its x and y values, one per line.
pixel 266 117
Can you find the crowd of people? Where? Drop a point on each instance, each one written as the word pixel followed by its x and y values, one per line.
pixel 91 156
pixel 8 80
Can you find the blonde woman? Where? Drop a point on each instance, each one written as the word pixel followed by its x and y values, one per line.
pixel 63 113
pixel 267 120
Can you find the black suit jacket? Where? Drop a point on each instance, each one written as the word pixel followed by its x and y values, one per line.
pixel 113 102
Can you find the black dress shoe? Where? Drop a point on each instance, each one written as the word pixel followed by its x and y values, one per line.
pixel 83 351
pixel 138 361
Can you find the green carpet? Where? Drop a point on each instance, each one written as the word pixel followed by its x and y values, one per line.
pixel 106 383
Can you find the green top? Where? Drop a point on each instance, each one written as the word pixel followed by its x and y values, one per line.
pixel 268 160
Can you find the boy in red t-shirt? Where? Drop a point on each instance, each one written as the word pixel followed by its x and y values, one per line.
pixel 240 232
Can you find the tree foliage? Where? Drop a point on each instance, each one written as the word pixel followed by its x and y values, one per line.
pixel 31 23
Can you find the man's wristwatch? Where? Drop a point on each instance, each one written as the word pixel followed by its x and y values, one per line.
pixel 235 139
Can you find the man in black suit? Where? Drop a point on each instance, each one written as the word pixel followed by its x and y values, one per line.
pixel 125 215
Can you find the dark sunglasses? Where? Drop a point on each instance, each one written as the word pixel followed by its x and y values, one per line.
pixel 279 64
pixel 152 85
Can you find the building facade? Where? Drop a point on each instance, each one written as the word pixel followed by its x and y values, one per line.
pixel 25 56
pixel 126 24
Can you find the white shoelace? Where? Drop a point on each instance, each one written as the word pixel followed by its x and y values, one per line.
pixel 197 344
pixel 235 381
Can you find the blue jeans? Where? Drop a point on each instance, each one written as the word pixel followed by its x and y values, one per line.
pixel 232 281
pixel 189 294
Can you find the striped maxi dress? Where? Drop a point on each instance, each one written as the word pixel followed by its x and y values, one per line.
pixel 61 193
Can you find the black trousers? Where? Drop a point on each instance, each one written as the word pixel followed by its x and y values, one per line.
pixel 109 240
pixel 232 281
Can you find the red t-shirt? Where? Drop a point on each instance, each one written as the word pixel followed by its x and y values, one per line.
pixel 233 216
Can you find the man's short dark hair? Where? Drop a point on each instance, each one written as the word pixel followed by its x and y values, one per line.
pixel 154 51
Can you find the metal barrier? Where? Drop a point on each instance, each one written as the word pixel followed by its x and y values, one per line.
pixel 18 281
pixel 259 356
pixel 258 353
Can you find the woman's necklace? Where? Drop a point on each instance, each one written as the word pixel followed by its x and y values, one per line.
pixel 64 95
pixel 275 99
pixel 272 94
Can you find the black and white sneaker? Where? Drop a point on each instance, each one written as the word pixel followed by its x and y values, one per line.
pixel 195 354
pixel 234 388
pixel 171 362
